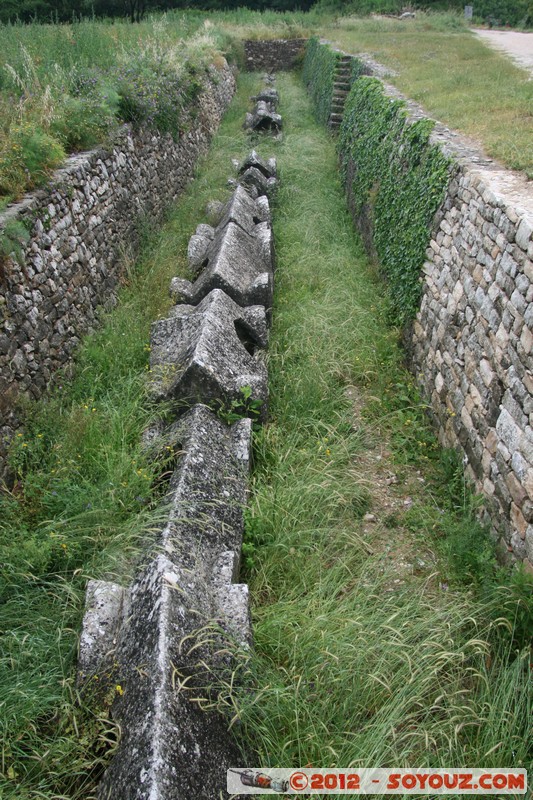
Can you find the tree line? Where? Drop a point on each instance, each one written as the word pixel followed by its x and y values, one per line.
pixel 513 12
pixel 135 10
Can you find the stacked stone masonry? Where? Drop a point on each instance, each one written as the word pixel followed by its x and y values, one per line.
pixel 471 345
pixel 79 228
pixel 472 342
pixel 273 55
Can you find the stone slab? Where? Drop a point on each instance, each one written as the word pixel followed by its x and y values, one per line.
pixel 237 263
pixel 186 618
pixel 210 353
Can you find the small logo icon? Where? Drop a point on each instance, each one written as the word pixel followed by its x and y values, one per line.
pixel 260 780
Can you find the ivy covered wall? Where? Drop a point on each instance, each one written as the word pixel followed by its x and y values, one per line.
pixel 452 231
pixel 319 76
pixel 395 181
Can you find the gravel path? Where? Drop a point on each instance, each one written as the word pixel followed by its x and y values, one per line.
pixel 517 45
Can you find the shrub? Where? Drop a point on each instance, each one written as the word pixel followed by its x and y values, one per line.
pixel 27 158
pixel 396 178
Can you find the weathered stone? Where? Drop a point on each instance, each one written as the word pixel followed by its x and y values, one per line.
pixel 269 95
pixel 80 225
pixel 253 160
pixel 197 251
pixel 529 543
pixel 208 353
pixel 106 606
pixel 255 179
pixel 264 118
pixel 523 234
pixel 242 210
pixel 237 263
pixel 185 619
pixel 213 211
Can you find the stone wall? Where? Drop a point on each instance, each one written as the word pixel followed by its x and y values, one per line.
pixel 471 344
pixel 78 228
pixel 273 55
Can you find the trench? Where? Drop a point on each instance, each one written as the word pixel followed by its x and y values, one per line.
pixel 370 646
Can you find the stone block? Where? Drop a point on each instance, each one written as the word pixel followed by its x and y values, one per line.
pixel 106 606
pixel 242 210
pixel 208 353
pixel 267 168
pixel 186 621
pixel 198 246
pixel 238 263
pixel 254 179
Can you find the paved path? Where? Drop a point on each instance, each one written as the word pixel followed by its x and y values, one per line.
pixel 517 45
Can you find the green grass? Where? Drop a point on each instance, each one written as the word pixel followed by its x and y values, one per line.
pixel 454 76
pixel 66 88
pixel 356 661
pixel 82 504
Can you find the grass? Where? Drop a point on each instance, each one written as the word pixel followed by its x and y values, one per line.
pixel 82 504
pixel 65 88
pixel 371 647
pixel 454 76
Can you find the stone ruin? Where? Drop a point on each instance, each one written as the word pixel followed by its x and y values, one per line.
pixel 264 116
pixel 175 631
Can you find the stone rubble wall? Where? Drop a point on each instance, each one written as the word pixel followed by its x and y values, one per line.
pixel 273 55
pixel 79 228
pixel 471 345
pixel 472 342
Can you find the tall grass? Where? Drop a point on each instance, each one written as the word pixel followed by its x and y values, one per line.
pixel 65 88
pixel 456 78
pixel 358 661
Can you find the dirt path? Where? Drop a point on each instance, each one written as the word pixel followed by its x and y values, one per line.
pixel 517 45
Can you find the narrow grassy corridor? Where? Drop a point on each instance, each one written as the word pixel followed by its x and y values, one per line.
pixel 382 634
pixel 372 649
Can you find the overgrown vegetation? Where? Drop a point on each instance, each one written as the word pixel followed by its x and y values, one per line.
pixel 319 76
pixel 356 660
pixel 493 12
pixel 360 658
pixel 395 180
pixel 82 502
pixel 67 88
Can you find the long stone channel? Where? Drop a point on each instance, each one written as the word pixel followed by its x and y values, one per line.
pixel 169 636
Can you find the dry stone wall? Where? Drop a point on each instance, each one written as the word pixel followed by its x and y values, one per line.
pixel 471 344
pixel 273 55
pixel 78 227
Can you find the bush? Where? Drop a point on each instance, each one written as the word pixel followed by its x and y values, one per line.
pixel 27 157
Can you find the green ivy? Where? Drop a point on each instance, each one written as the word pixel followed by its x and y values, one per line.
pixel 319 76
pixel 397 178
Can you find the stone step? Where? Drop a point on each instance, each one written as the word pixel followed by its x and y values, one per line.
pixel 335 118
